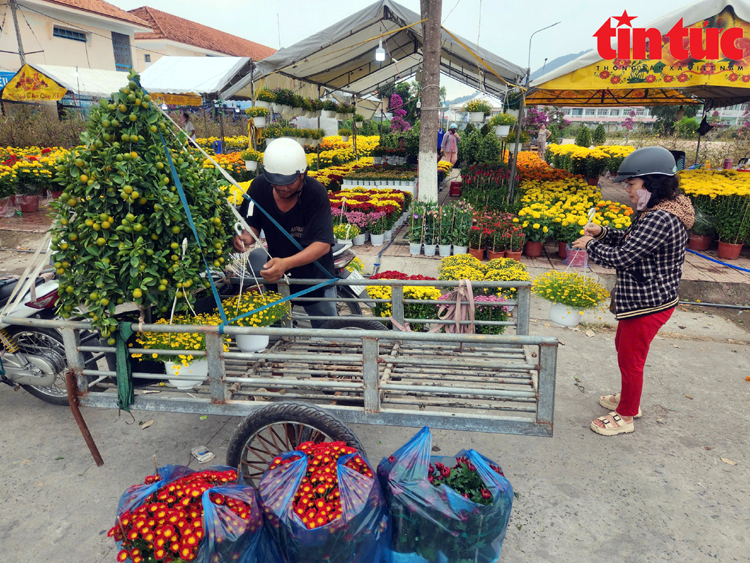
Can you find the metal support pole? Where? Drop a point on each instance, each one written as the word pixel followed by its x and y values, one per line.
pixel 698 149
pixel 221 124
pixel 524 309
pixel 284 292
pixel 216 372
pixel 13 8
pixel 317 148
pixel 397 303
pixel 516 149
pixel 72 340
pixel 547 371
pixel 370 372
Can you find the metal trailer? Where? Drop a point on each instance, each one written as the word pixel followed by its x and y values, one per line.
pixel 310 382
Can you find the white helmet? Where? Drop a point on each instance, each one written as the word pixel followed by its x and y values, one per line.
pixel 283 162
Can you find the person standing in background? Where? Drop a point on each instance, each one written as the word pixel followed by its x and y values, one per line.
pixel 189 127
pixel 440 139
pixel 541 140
pixel 449 146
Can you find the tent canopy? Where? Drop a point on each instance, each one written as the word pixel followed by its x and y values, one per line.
pixel 342 57
pixel 590 80
pixel 35 82
pixel 204 76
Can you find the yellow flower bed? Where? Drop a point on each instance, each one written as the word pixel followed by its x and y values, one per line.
pixel 715 183
pixel 467 267
pixel 425 293
pixel 335 174
pixel 575 150
pixel 238 142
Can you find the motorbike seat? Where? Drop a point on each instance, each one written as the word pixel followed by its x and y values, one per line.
pixel 7 287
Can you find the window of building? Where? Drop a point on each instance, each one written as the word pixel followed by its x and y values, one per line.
pixel 70 34
pixel 123 56
pixel 602 112
pixel 639 112
pixel 589 112
pixel 577 112
pixel 614 113
pixel 566 111
pixel 147 57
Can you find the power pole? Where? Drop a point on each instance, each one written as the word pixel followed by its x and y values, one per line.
pixel 13 8
pixel 431 33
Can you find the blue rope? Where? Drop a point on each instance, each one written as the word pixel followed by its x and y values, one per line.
pixel 185 205
pixel 718 261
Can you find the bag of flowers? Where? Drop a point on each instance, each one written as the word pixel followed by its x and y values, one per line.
pixel 184 515
pixel 444 509
pixel 322 503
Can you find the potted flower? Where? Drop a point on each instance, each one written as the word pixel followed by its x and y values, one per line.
pixel 536 229
pixel 345 232
pixel 703 232
pixel 502 122
pixel 329 109
pixel 461 227
pixel 431 229
pixel 317 107
pixel 265 99
pixel 377 155
pixel 359 121
pixel 376 224
pixel 446 234
pixel 307 108
pixel 733 225
pixel 284 101
pixel 416 230
pixel 251 301
pixel 596 164
pixel 298 105
pixel 184 366
pixel 27 196
pixel 497 243
pixel 477 109
pixel 258 115
pixel 515 241
pixel 271 133
pixel 345 134
pixel 569 293
pixel 360 220
pixel 251 159
pixel 478 240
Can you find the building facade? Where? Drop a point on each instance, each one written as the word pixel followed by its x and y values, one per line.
pixel 83 33
pixel 612 118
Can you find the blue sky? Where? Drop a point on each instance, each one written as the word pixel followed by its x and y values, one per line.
pixel 502 27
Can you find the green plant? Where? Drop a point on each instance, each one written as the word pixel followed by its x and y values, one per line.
pixel 478 106
pixel 28 188
pixel 502 119
pixel 265 95
pixel 272 132
pixel 256 112
pixel 330 105
pixel 346 109
pixel 284 96
pixel 345 132
pixel 416 224
pixel 317 105
pixel 297 101
pixel 358 118
pixel 733 219
pixel 599 137
pixel 345 231
pixel 447 229
pixel 571 289
pixel 583 139
pixel 250 154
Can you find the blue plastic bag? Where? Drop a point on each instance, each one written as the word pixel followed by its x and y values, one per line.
pixel 360 535
pixel 436 524
pixel 226 537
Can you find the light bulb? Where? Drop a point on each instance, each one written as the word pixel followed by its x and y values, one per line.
pixel 380 52
pixel 164 106
pixel 418 75
pixel 419 103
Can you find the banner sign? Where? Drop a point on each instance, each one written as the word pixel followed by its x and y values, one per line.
pixel 177 99
pixel 29 85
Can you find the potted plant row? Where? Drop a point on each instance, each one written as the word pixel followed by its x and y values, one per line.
pixel 477 110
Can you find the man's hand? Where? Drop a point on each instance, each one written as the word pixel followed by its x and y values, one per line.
pixel 242 242
pixel 274 270
pixel 582 242
pixel 592 230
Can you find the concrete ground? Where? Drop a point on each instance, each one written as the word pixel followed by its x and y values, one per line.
pixel 675 490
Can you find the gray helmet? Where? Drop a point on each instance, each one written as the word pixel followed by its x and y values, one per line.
pixel 648 160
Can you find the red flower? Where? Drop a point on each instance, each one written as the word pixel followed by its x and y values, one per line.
pixel 604 74
pixel 486 494
pixel 615 79
pixel 682 77
pixel 668 78
pixel 651 78
pixel 708 68
pixel 733 77
pixel 622 62
pixel 746 78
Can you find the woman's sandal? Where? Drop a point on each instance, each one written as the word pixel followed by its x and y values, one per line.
pixel 607 404
pixel 609 428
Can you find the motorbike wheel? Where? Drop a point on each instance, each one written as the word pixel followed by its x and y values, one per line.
pixel 346 308
pixel 34 340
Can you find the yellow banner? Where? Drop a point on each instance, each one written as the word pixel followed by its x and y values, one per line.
pixel 177 99
pixel 29 85
pixel 667 72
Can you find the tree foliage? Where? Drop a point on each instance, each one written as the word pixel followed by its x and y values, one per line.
pixel 583 139
pixel 599 137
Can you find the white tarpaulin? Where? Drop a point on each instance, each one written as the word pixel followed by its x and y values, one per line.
pixel 342 57
pixel 85 81
pixel 194 75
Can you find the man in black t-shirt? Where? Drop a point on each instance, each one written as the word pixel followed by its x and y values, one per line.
pixel 300 205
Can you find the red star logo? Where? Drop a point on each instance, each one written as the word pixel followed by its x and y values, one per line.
pixel 624 19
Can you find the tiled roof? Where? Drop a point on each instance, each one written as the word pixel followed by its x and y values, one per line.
pixel 167 26
pixel 102 8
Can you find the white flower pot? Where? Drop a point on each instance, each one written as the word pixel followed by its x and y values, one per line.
pixel 377 160
pixel 444 249
pixel 563 315
pixel 377 240
pixel 476 116
pixel 259 121
pixel 276 107
pixel 359 240
pixel 194 368
pixel 502 130
pixel 339 116
pixel 251 165
pixel 429 249
pixel 345 138
pixel 300 141
pixel 344 241
pixel 415 248
pixel 251 342
pixel 298 111
pixel 286 110
pixel 460 250
pixel 261 104
pixel 358 124
pixel 327 114
pixel 388 234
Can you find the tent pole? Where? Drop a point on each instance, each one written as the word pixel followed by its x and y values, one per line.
pixel 354 129
pixel 519 124
pixel 317 149
pixel 221 124
pixel 697 150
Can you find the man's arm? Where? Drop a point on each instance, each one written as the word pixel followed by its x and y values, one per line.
pixel 275 268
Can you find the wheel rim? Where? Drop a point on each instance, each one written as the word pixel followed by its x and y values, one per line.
pixel 272 440
pixel 32 342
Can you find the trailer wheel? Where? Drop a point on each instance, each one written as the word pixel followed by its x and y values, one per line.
pixel 279 428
